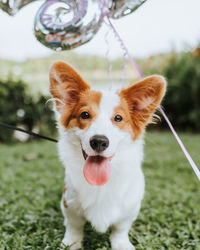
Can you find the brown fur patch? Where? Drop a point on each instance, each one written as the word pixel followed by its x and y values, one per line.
pixel 74 96
pixel 65 84
pixel 123 110
pixel 64 189
pixel 63 197
pixel 142 99
pixel 89 102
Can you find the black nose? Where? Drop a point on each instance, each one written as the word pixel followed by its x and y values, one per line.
pixel 99 143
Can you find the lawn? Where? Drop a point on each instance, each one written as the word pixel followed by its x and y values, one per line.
pixel 31 186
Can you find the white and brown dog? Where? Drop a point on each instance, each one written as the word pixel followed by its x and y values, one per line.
pixel 101 147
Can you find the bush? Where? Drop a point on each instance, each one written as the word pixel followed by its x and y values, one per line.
pixel 182 101
pixel 19 108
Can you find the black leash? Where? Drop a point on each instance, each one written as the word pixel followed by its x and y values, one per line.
pixel 5 125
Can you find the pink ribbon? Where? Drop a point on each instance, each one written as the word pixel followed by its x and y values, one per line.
pixel 187 155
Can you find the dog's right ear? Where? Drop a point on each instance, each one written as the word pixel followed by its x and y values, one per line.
pixel 66 85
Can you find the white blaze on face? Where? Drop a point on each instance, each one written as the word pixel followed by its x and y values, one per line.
pixel 103 126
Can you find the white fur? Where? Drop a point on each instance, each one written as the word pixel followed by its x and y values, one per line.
pixel 116 203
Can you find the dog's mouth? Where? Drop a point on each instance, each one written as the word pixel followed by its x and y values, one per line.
pixel 97 169
pixel 84 154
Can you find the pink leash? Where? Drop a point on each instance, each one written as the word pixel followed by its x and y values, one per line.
pixel 187 155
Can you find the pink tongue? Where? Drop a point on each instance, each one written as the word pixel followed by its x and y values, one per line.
pixel 97 170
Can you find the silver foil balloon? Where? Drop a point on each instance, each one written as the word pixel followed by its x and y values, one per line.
pixel 13 6
pixel 67 24
pixel 120 8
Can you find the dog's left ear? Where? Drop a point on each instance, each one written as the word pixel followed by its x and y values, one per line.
pixel 66 85
pixel 143 98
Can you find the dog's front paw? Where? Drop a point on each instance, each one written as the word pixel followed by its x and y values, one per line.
pixel 72 246
pixel 122 244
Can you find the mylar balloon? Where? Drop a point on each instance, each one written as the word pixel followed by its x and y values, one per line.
pixel 120 8
pixel 67 24
pixel 13 6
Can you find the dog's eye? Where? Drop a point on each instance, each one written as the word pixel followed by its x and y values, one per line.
pixel 118 118
pixel 85 115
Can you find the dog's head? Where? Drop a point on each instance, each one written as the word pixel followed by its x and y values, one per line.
pixel 101 120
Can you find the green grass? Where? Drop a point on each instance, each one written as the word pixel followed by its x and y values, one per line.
pixel 31 186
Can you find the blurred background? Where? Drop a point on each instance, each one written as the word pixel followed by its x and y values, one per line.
pixel 163 36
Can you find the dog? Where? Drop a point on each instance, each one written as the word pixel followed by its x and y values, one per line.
pixel 101 146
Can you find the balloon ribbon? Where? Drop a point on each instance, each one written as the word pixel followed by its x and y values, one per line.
pixel 133 62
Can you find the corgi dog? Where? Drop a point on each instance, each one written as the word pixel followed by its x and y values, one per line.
pixel 101 146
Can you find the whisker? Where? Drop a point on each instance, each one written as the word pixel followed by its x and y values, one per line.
pixel 55 100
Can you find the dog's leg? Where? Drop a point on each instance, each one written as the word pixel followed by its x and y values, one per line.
pixel 74 227
pixel 119 236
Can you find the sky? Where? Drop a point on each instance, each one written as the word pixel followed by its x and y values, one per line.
pixel 157 26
